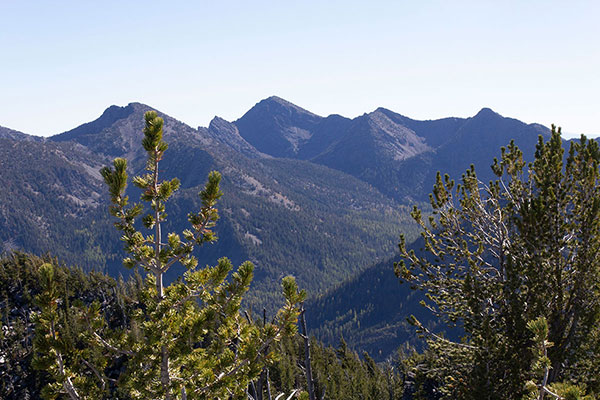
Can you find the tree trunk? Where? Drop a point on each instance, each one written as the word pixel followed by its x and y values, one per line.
pixel 67 384
pixel 259 385
pixel 159 285
pixel 307 362
pixel 268 386
pixel 165 378
pixel 157 234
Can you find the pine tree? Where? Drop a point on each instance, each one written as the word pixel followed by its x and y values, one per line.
pixel 542 366
pixel 186 340
pixel 57 353
pixel 498 256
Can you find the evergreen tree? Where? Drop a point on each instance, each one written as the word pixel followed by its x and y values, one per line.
pixel 64 359
pixel 541 368
pixel 186 340
pixel 338 373
pixel 28 287
pixel 498 256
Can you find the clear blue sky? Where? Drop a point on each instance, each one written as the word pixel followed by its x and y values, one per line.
pixel 63 62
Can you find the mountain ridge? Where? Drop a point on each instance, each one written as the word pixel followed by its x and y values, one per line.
pixel 288 216
pixel 7 133
pixel 321 198
pixel 383 148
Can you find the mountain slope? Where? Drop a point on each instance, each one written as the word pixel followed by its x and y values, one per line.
pixel 277 127
pixel 434 132
pixel 287 216
pixel 228 134
pixel 50 202
pixel 369 311
pixel 372 149
pixel 319 198
pixel 478 142
pixel 7 133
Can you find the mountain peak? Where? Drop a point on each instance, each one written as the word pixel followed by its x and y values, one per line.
pixel 227 133
pixel 277 105
pixel 218 122
pixel 277 99
pixel 137 106
pixel 117 131
pixel 487 112
pixel 108 118
pixel 397 118
pixel 277 127
pixel 383 110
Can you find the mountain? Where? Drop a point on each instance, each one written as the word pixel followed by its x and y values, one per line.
pixel 397 155
pixel 84 132
pixel 287 216
pixel 277 127
pixel 116 133
pixel 321 198
pixel 477 141
pixel 51 196
pixel 372 150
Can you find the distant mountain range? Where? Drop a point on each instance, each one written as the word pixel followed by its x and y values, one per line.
pixel 397 155
pixel 321 198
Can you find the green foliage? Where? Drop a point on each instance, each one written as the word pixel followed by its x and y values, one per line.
pixel 21 292
pixel 56 348
pixel 186 340
pixel 148 251
pixel 231 355
pixel 338 373
pixel 421 378
pixel 498 256
pixel 541 368
pixel 539 329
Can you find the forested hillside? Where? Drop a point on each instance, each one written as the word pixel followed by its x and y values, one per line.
pixel 287 216
pixel 323 199
pixel 185 338
pixel 510 268
pixel 320 198
pixel 339 373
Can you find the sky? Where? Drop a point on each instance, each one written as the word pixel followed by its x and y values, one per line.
pixel 63 62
